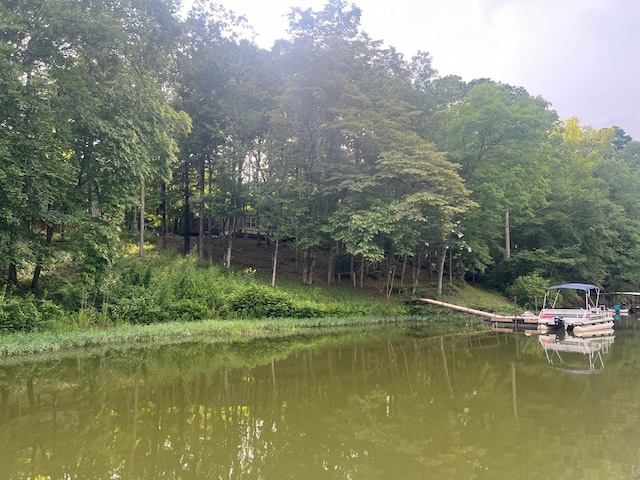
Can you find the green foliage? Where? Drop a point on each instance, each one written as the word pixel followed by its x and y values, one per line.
pixel 139 307
pixel 528 290
pixel 18 315
pixel 26 314
pixel 95 248
pixel 161 288
pixel 259 301
pixel 164 287
pixel 144 307
pixel 325 139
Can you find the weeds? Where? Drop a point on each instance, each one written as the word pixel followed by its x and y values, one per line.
pixel 164 287
pixel 51 342
pixel 179 297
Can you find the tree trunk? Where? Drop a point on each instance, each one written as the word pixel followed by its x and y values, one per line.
pixel 228 250
pixel 441 262
pixel 330 264
pixel 209 219
pixel 201 210
pixel 142 207
pixel 163 206
pixel 308 265
pixel 507 234
pixel 404 270
pixel 187 212
pixel 229 242
pixel 352 272
pixel 391 276
pixel 35 281
pixel 12 276
pixel 210 239
pixel 417 266
pixel 275 264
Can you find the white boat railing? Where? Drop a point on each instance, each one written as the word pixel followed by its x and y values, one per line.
pixel 592 348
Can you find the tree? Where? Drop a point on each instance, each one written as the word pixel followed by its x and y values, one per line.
pixel 498 134
pixel 576 234
pixel 102 112
pixel 224 86
pixel 319 69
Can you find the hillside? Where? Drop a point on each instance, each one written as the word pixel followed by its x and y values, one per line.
pixel 257 254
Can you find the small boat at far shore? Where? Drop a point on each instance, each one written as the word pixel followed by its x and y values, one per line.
pixel 588 315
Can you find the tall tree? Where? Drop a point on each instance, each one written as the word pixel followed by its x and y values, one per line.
pixel 499 134
pixel 319 69
pixel 575 235
pixel 90 64
pixel 224 86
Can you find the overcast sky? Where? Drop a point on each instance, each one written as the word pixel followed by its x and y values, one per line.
pixel 582 56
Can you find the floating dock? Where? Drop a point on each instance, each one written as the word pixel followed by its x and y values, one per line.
pixel 524 319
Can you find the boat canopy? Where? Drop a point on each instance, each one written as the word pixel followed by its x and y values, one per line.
pixel 575 286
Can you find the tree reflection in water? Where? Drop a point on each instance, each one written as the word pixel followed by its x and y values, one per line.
pixel 366 404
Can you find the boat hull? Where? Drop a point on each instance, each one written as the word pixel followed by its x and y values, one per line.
pixel 591 329
pixel 570 319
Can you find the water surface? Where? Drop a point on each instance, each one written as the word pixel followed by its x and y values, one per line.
pixel 373 404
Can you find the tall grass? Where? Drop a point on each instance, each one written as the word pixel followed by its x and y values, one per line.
pixel 168 287
pixel 165 295
pixel 52 342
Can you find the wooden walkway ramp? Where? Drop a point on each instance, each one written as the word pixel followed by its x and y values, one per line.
pixel 529 318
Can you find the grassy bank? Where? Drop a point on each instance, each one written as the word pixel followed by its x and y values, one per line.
pixel 166 296
pixel 129 335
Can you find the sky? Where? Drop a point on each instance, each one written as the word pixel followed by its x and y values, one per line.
pixel 582 56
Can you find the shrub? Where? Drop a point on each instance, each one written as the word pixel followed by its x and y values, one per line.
pixel 51 312
pixel 308 311
pixel 138 309
pixel 528 290
pixel 413 309
pixel 257 301
pixel 18 315
pixel 189 311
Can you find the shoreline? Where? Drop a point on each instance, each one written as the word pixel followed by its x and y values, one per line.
pixel 29 345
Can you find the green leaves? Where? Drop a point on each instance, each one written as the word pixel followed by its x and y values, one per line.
pixel 85 118
pixel 326 139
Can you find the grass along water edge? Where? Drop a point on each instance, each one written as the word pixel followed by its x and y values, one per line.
pixel 20 344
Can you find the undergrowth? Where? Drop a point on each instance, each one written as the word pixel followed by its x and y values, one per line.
pixel 166 287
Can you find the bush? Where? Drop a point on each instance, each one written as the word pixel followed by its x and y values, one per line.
pixel 163 287
pixel 189 311
pixel 138 309
pixel 18 315
pixel 414 309
pixel 528 290
pixel 257 301
pixel 51 313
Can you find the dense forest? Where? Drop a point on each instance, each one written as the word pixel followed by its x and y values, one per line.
pixel 123 117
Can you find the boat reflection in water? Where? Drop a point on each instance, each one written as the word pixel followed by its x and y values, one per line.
pixel 568 352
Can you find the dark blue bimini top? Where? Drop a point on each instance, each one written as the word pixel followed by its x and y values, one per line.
pixel 575 286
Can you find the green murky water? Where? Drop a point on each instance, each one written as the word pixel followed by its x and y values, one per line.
pixel 377 404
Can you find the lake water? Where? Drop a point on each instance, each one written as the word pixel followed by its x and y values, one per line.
pixel 372 404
